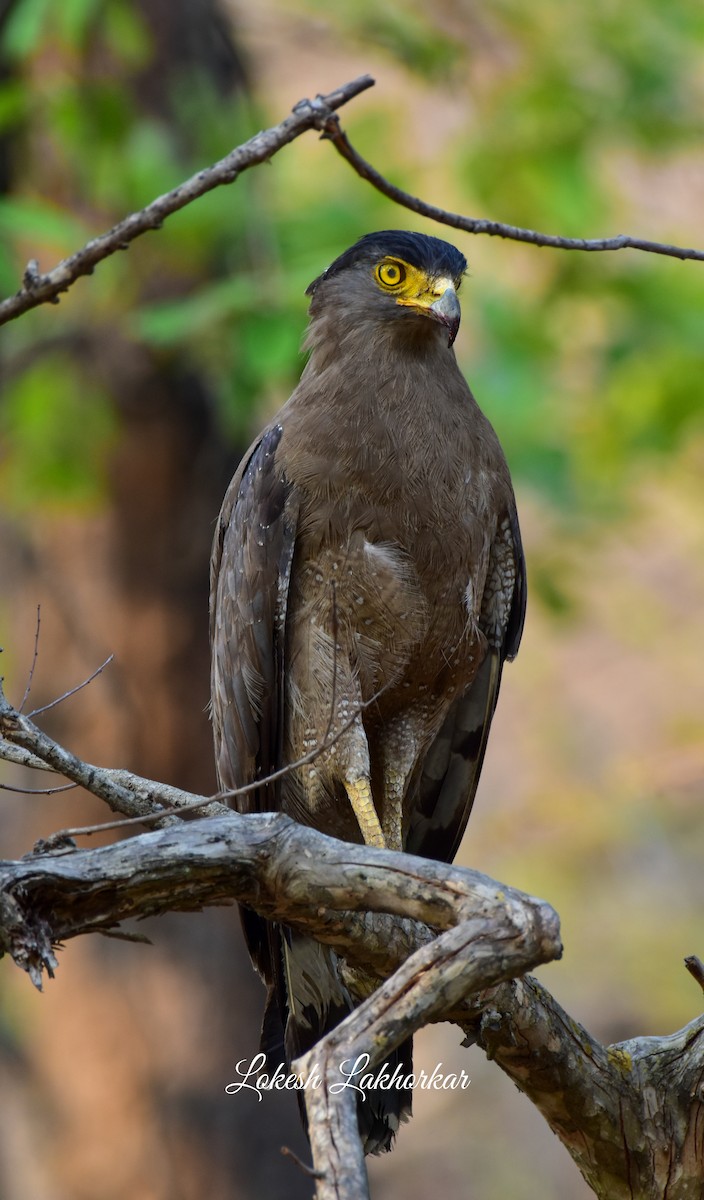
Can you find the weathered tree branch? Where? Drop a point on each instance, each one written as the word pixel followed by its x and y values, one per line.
pixel 631 1115
pixel 41 288
pixel 284 870
pixel 38 288
pixel 334 133
pixel 465 960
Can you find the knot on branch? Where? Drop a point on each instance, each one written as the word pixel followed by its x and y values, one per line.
pixel 27 937
pixel 32 278
pixel 318 110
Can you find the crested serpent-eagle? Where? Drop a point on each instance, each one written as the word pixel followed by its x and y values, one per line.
pixel 367 572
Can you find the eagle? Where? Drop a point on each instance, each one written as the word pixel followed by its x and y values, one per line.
pixel 367 586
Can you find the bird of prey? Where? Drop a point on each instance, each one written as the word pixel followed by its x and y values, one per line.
pixel 367 577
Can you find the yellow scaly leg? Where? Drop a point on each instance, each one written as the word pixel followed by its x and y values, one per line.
pixel 360 796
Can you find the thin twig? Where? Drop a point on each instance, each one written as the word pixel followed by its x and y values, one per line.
pixel 63 787
pixel 40 288
pixel 334 133
pixel 72 691
pixel 144 819
pixel 309 1171
pixel 695 966
pixel 179 809
pixel 35 656
pixel 304 761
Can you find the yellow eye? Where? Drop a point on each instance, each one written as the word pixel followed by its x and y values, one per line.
pixel 390 274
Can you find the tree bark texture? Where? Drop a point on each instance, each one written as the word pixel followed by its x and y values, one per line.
pixel 442 942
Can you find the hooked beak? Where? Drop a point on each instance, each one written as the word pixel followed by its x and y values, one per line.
pixel 444 307
pixel 447 311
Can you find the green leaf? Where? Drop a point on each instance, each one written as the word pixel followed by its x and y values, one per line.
pixel 24 27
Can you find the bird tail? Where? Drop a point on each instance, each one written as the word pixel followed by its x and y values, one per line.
pixel 307 1001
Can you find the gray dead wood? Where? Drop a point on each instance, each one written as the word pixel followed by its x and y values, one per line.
pixel 445 942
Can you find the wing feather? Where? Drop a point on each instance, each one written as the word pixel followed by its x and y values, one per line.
pixel 447 780
pixel 250 572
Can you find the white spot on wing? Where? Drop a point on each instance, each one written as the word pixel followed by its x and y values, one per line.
pixel 469 599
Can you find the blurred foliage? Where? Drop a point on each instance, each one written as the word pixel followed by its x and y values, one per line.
pixel 582 119
pixel 589 365
pixel 56 431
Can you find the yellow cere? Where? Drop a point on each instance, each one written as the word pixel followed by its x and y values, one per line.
pixel 409 284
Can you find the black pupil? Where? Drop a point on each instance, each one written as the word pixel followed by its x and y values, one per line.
pixel 393 273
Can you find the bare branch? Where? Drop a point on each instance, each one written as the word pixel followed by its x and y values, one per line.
pixel 620 1110
pixel 695 966
pixel 334 133
pixel 377 908
pixel 277 866
pixel 22 741
pixel 144 801
pixel 38 288
pixel 49 791
pixel 474 955
pixel 35 656
pixel 24 758
pixel 71 691
pixel 629 1114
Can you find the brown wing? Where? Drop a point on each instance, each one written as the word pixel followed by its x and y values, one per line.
pixel 250 574
pixel 250 577
pixel 444 792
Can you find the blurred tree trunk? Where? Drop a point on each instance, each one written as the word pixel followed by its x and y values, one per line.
pixel 118 1083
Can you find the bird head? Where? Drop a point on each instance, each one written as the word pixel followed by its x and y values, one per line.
pixel 394 276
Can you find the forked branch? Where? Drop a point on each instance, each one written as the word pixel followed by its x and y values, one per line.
pixel 631 1115
pixel 320 113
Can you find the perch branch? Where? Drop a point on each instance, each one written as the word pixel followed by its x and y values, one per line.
pixel 631 1115
pixel 284 870
pixel 334 133
pixel 474 955
pixel 38 288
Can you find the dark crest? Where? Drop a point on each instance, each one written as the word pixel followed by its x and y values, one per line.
pixel 428 253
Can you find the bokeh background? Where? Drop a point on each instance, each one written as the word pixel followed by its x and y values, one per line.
pixel 124 410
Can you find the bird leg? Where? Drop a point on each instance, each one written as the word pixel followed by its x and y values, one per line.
pixel 360 796
pixel 399 752
pixel 394 790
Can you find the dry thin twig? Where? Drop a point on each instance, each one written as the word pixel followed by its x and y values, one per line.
pixel 50 791
pixel 38 288
pixel 35 656
pixel 334 133
pixel 695 966
pixel 22 741
pixel 71 691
